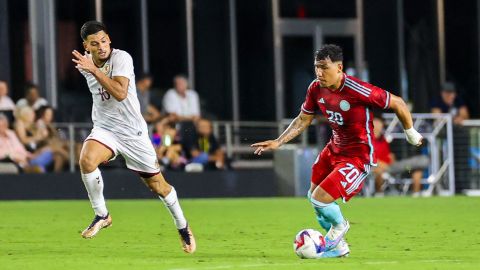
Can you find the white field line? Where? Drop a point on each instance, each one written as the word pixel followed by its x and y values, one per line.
pixel 235 266
pixel 289 264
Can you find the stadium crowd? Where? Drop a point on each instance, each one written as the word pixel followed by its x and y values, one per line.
pixel 183 140
pixel 31 143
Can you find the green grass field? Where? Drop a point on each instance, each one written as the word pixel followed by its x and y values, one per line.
pixel 386 233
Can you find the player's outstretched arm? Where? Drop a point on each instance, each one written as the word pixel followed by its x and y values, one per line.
pixel 297 126
pixel 117 87
pixel 401 110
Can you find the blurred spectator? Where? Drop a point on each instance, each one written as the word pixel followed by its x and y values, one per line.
pixel 12 151
pixel 204 148
pixel 387 165
pixel 150 112
pixel 33 138
pixel 58 146
pixel 28 133
pixel 32 98
pixel 180 102
pixel 167 146
pixel 7 106
pixel 6 103
pixel 450 102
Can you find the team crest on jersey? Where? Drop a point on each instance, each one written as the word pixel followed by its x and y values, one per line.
pixel 344 105
pixel 105 69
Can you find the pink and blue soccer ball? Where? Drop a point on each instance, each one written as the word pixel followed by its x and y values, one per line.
pixel 309 244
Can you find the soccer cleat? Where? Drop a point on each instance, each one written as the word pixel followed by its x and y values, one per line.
pixel 188 241
pixel 341 250
pixel 333 237
pixel 98 223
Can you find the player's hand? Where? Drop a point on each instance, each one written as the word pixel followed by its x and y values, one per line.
pixel 84 62
pixel 266 145
pixel 413 137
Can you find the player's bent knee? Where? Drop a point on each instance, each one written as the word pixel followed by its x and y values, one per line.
pixel 319 194
pixel 87 164
pixel 158 185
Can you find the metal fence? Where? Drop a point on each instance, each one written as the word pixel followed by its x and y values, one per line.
pixel 449 172
pixel 437 130
pixel 235 137
pixel 467 153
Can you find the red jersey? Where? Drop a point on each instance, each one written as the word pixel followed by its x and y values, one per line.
pixel 349 114
pixel 382 149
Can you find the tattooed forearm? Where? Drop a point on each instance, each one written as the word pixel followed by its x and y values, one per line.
pixel 297 126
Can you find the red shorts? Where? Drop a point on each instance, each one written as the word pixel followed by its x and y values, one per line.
pixel 339 176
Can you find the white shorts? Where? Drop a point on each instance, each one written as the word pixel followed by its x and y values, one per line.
pixel 138 151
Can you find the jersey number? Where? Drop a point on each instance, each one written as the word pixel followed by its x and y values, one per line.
pixel 105 95
pixel 350 172
pixel 335 117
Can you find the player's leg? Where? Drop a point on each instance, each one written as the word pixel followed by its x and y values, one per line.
pixel 168 195
pixel 93 153
pixel 140 156
pixel 320 218
pixel 345 181
pixel 320 170
pixel 324 203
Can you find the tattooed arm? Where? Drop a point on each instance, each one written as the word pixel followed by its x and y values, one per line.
pixel 297 126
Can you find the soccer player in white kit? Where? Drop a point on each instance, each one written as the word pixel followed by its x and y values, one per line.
pixel 118 128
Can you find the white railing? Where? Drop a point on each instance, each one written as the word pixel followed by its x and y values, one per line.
pixel 236 138
pixel 437 130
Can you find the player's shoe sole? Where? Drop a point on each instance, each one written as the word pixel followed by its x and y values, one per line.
pixel 97 224
pixel 333 237
pixel 187 239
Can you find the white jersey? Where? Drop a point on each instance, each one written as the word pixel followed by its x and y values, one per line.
pixel 123 118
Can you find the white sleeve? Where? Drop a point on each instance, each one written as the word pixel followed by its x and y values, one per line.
pixel 39 103
pixel 169 104
pixel 43 102
pixel 196 104
pixel 122 65
pixel 22 102
pixel 84 73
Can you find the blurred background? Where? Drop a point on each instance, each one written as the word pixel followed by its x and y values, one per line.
pixel 248 63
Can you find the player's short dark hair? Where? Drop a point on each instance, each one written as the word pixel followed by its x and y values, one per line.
pixel 91 27
pixel 332 51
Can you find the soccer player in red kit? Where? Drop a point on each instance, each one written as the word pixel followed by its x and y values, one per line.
pixel 344 163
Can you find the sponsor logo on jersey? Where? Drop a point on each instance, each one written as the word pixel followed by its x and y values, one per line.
pixel 105 69
pixel 321 100
pixel 344 105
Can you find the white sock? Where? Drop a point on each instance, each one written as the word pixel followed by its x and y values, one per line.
pixel 94 184
pixel 173 205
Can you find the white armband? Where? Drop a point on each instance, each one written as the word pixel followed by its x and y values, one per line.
pixel 413 137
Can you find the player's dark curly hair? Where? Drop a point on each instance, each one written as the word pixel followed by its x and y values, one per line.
pixel 332 51
pixel 91 27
